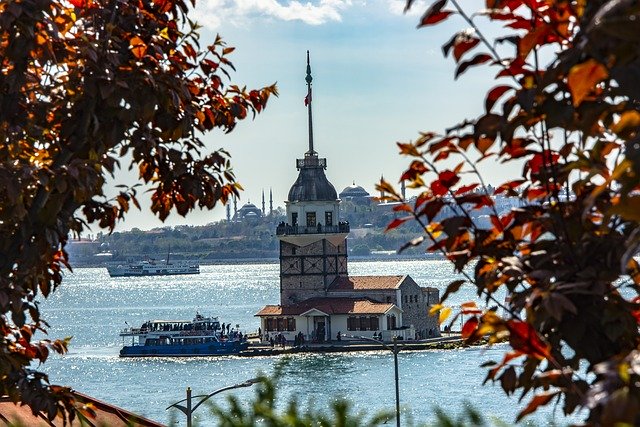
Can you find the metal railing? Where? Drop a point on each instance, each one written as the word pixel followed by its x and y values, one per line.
pixel 286 229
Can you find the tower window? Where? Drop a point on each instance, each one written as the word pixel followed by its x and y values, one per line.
pixel 311 219
pixel 328 218
pixel 294 218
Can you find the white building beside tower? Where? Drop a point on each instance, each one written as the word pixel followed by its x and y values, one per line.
pixel 318 298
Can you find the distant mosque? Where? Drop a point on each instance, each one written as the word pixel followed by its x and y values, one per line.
pixel 249 212
pixel 318 297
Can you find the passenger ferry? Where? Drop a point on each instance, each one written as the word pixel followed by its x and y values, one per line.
pixel 153 268
pixel 203 336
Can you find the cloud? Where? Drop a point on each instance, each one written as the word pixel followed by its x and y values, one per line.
pixel 212 13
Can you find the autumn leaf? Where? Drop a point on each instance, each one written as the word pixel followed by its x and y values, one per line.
pixel 538 400
pixel 434 14
pixel 445 312
pixel 137 46
pixel 469 327
pixel 524 338
pixel 481 58
pixel 583 78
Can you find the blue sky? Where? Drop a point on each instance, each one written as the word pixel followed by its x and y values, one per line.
pixel 377 80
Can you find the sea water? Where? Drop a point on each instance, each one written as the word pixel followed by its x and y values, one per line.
pixel 92 307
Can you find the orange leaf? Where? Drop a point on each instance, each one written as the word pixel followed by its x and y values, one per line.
pixel 584 77
pixel 137 46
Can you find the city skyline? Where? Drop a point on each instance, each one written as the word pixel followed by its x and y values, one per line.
pixel 377 80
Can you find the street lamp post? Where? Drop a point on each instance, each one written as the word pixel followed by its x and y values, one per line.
pixel 188 410
pixel 395 350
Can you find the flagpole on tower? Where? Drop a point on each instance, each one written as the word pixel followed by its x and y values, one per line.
pixel 307 102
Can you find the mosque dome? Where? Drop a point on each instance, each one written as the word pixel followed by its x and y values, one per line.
pixel 312 184
pixel 353 191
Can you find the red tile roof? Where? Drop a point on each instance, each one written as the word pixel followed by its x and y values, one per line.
pixel 361 283
pixel 106 415
pixel 328 306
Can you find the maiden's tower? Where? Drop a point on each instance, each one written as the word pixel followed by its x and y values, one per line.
pixel 318 298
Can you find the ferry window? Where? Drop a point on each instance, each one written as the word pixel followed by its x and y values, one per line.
pixel 291 324
pixel 294 218
pixel 328 218
pixel 364 323
pixel 374 323
pixel 311 219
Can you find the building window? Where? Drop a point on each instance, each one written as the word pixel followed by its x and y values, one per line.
pixel 328 218
pixel 291 324
pixel 364 323
pixel 391 322
pixel 294 218
pixel 269 324
pixel 311 219
pixel 352 323
pixel 388 299
pixel 280 324
pixel 374 323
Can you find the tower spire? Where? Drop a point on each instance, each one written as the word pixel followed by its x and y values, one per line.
pixel 307 102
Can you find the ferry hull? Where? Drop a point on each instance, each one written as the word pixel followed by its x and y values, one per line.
pixel 184 350
pixel 147 273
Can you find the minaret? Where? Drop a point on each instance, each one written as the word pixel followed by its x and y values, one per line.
pixel 264 212
pixel 313 245
pixel 228 212
pixel 235 208
pixel 381 192
pixel 403 190
pixel 270 202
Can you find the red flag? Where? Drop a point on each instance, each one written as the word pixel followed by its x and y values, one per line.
pixel 307 99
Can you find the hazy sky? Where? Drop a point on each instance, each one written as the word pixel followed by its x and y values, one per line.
pixel 376 80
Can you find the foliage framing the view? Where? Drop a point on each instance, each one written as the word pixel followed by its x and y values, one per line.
pixel 84 83
pixel 565 106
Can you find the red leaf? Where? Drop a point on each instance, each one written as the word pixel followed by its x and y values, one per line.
pixel 538 400
pixel 465 189
pixel 478 59
pixel 544 158
pixel 510 185
pixel 437 188
pixel 463 45
pixel 397 222
pixel 434 14
pixel 416 168
pixel 495 94
pixel 523 337
pixel 448 178
pixel 469 327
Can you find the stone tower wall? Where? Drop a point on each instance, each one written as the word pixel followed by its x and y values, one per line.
pixel 307 271
pixel 415 307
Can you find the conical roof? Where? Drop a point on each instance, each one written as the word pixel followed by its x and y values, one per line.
pixel 312 184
